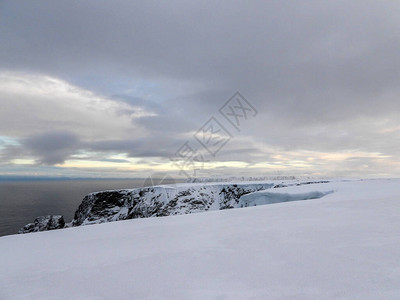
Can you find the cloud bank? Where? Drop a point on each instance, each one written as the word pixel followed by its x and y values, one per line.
pixel 121 80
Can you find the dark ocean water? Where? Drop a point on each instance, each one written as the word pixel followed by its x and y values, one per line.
pixel 22 201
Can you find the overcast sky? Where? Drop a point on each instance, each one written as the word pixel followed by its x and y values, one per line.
pixel 116 88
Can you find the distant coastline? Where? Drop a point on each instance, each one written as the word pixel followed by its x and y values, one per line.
pixel 48 178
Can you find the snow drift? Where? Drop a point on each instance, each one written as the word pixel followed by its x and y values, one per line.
pixel 262 198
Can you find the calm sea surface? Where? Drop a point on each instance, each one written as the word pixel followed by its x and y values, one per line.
pixel 22 201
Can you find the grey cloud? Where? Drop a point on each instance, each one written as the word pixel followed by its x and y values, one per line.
pixel 53 147
pixel 114 160
pixel 9 153
pixel 139 102
pixel 293 57
pixel 141 147
pixel 319 72
pixel 100 158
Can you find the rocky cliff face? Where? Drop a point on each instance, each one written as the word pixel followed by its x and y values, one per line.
pixel 157 201
pixel 44 223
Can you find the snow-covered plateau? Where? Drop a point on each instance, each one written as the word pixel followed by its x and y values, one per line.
pixel 342 243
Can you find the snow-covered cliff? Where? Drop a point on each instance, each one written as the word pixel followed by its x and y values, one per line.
pixel 158 201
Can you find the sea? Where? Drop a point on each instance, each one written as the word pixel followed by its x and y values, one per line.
pixel 21 201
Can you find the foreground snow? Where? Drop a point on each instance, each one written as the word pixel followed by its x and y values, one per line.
pixel 342 246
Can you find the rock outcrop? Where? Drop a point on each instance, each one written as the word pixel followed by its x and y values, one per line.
pixel 44 223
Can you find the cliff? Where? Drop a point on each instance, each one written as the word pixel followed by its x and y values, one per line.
pixel 157 201
pixel 166 200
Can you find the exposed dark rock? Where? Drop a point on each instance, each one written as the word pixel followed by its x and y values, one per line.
pixel 280 185
pixel 44 223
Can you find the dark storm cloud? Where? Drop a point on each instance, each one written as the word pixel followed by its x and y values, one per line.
pixel 56 147
pixel 52 148
pixel 319 72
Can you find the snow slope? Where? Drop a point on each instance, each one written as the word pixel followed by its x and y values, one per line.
pixel 345 245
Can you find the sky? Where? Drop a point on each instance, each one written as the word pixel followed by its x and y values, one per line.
pixel 132 88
